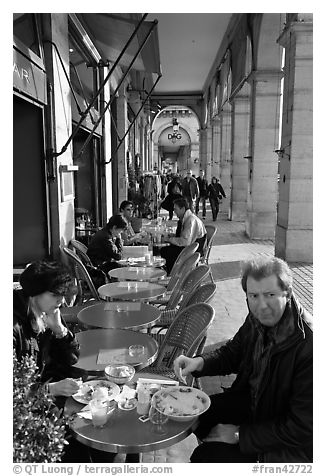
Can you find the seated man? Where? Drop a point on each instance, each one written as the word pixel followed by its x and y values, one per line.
pixel 267 414
pixel 105 247
pixel 129 237
pixel 190 229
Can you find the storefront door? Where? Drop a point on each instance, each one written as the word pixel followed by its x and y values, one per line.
pixel 30 233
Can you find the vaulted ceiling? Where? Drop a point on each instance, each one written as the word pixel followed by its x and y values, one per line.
pixel 188 44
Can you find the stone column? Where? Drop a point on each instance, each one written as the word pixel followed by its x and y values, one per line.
pixel 202 147
pixel 122 125
pixel 239 150
pixel 214 170
pixel 225 162
pixel 294 240
pixel 262 194
pixel 207 164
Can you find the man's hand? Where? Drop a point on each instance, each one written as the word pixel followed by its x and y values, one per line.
pixel 66 387
pixel 222 433
pixel 183 366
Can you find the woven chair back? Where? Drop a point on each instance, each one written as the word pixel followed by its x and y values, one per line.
pixel 202 293
pixel 81 274
pixel 81 250
pixel 190 264
pixel 185 333
pixel 183 256
pixel 211 232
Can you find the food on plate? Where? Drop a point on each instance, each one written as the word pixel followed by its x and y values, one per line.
pixel 100 391
pixel 120 371
pixel 181 401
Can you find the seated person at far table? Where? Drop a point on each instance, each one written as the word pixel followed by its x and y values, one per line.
pixel 190 229
pixel 129 237
pixel 267 414
pixel 39 331
pixel 106 246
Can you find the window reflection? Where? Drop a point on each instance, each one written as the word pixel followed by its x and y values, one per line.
pixel 25 30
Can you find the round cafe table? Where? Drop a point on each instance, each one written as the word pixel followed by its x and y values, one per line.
pixel 100 347
pixel 131 291
pixel 124 433
pixel 120 315
pixel 137 273
pixel 157 262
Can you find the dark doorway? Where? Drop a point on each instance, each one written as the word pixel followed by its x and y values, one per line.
pixel 30 231
pixel 88 179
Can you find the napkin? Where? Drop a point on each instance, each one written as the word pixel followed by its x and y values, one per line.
pixel 119 356
pixel 85 412
pixel 127 393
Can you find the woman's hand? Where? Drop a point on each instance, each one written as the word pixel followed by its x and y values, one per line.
pixel 66 387
pixel 54 323
pixel 184 366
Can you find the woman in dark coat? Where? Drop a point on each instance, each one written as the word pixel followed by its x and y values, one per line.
pixel 39 329
pixel 215 194
pixel 41 332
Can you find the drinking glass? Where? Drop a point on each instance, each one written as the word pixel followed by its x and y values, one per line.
pixel 99 411
pixel 132 285
pixel 158 419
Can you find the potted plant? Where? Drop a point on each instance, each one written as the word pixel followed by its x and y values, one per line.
pixel 38 425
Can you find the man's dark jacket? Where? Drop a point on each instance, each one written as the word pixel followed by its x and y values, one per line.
pixel 103 247
pixel 203 186
pixel 282 430
pixel 54 357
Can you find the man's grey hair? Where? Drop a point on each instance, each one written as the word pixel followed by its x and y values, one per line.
pixel 263 267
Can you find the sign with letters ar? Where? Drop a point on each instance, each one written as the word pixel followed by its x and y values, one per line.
pixel 28 78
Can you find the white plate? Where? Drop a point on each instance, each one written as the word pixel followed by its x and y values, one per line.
pixel 114 390
pixel 181 403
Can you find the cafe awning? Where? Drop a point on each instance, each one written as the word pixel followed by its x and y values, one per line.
pixel 125 40
pixel 111 31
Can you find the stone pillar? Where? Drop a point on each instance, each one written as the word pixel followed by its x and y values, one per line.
pixel 262 193
pixel 294 240
pixel 62 221
pixel 225 162
pixel 216 147
pixel 155 157
pixel 239 165
pixel 202 147
pixel 122 125
pixel 207 164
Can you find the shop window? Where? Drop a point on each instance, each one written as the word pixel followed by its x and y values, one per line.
pixel 25 30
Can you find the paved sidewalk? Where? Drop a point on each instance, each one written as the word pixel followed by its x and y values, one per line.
pixel 231 246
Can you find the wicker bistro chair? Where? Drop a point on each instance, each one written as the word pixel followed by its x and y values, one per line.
pixel 190 287
pixel 175 272
pixel 211 232
pixel 86 288
pixel 81 250
pixel 183 337
pixel 171 299
pixel 202 293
